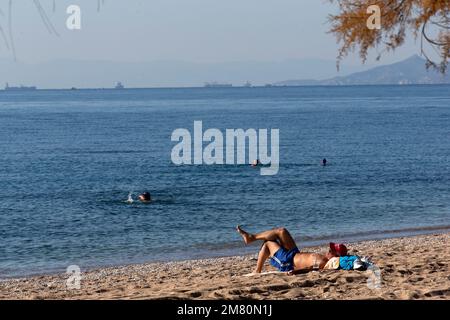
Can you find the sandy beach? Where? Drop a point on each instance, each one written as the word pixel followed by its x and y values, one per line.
pixel 409 268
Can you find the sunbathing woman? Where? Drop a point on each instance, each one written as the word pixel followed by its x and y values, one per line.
pixel 283 252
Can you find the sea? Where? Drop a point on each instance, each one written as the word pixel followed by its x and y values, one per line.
pixel 70 160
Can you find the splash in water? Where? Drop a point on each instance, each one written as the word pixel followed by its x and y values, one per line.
pixel 130 198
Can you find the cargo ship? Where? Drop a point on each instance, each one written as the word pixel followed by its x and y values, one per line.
pixel 21 88
pixel 217 85
pixel 119 86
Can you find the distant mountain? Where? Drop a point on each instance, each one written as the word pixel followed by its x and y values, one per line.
pixel 105 74
pixel 409 71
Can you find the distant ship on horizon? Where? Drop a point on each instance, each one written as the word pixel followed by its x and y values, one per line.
pixel 217 85
pixel 119 86
pixel 21 88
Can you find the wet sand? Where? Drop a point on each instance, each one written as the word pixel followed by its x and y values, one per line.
pixel 409 268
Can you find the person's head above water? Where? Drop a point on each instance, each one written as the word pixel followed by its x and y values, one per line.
pixel 255 163
pixel 145 197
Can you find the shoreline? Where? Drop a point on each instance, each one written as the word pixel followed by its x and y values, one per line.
pixel 230 251
pixel 415 267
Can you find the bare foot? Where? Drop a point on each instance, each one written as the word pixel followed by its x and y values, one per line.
pixel 245 235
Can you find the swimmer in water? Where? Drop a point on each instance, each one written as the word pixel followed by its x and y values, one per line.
pixel 145 197
pixel 324 162
pixel 256 163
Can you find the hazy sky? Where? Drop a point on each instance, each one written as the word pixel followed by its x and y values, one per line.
pixel 187 30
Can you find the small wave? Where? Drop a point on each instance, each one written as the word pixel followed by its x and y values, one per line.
pixel 376 234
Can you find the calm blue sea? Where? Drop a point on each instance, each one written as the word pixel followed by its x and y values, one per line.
pixel 69 159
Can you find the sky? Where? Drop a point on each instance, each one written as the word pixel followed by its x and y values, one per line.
pixel 194 31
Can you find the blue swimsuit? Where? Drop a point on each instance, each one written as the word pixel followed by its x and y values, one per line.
pixel 284 259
